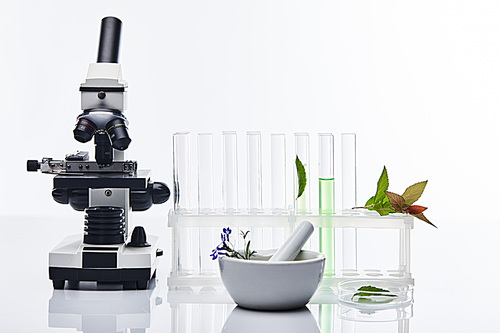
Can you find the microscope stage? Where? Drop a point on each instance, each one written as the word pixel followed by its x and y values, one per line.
pixel 75 261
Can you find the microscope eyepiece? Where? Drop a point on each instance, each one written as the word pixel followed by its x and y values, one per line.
pixel 118 133
pixel 84 130
pixel 109 42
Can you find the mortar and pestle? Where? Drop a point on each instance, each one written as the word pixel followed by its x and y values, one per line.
pixel 280 279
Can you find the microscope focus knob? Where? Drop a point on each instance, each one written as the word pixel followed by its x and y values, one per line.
pixel 138 238
pixel 33 165
pixel 161 193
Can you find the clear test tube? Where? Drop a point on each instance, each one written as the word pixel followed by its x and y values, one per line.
pixel 205 173
pixel 229 171
pixel 349 200
pixel 182 172
pixel 207 235
pixel 326 200
pixel 349 186
pixel 254 171
pixel 187 238
pixel 303 203
pixel 278 173
pixel 326 177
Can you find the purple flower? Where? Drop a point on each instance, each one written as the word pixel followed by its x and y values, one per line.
pixel 223 248
pixel 214 254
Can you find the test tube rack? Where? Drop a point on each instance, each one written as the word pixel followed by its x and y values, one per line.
pixel 363 244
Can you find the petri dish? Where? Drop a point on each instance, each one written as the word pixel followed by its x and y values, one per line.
pixel 375 293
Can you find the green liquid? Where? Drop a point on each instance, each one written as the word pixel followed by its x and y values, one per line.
pixel 302 203
pixel 326 196
pixel 327 235
pixel 326 315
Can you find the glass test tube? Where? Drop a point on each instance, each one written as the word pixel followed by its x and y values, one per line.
pixel 254 172
pixel 182 171
pixel 349 186
pixel 349 200
pixel 326 178
pixel 303 203
pixel 326 200
pixel 278 172
pixel 205 173
pixel 229 171
pixel 206 200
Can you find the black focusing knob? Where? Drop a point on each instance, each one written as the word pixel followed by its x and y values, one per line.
pixel 138 238
pixel 33 165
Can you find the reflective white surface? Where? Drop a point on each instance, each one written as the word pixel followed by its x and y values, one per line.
pixel 454 274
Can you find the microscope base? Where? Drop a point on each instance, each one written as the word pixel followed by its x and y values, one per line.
pixel 75 261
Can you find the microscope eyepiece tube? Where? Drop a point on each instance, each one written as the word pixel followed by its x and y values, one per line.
pixel 109 42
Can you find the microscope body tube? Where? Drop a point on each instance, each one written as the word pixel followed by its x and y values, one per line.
pixel 109 41
pixel 289 250
pixel 104 95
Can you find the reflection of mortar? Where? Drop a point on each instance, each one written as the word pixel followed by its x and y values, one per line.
pixel 242 321
pixel 103 311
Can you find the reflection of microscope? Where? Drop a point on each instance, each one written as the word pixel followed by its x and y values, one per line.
pixel 92 311
pixel 108 188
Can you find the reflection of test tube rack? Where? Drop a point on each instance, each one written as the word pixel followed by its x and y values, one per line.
pixel 261 169
pixel 209 310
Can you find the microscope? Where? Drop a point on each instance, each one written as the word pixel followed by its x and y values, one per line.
pixel 106 189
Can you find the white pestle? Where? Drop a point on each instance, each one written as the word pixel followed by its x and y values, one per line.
pixel 289 250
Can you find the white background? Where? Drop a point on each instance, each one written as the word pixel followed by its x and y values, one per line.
pixel 418 81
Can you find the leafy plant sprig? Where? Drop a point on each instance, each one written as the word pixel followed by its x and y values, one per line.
pixel 226 248
pixel 385 202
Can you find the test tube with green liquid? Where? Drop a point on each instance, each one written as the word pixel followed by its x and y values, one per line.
pixel 326 200
pixel 303 203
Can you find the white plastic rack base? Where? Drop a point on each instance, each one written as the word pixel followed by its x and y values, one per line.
pixel 365 245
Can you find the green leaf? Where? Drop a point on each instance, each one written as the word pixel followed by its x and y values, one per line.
pixel 247 251
pixel 373 289
pixel 383 208
pixel 301 175
pixel 370 291
pixel 382 186
pixel 414 192
pixel 384 211
pixel 370 201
